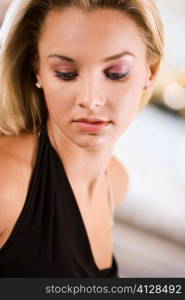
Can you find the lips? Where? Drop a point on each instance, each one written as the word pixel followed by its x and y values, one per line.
pixel 91 125
pixel 92 121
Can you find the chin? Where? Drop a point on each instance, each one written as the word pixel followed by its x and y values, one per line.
pixel 91 142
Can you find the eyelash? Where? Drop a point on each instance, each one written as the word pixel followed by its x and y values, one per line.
pixel 69 76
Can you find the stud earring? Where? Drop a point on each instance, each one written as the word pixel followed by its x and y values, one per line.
pixel 38 85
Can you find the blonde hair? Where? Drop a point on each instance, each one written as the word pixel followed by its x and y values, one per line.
pixel 22 105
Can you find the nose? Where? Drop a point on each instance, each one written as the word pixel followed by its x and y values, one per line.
pixel 91 96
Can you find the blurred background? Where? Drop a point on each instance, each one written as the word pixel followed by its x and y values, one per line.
pixel 3 7
pixel 149 231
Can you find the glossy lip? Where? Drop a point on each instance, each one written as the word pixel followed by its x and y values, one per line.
pixel 91 120
pixel 92 125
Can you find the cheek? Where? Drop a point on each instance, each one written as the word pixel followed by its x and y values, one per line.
pixel 126 103
pixel 58 102
pixel 128 94
pixel 128 97
pixel 56 96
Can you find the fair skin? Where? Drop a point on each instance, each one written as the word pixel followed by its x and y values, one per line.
pixel 87 39
pixel 91 94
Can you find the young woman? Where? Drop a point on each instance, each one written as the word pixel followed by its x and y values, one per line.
pixel 73 76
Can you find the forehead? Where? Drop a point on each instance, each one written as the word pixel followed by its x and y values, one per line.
pixel 96 33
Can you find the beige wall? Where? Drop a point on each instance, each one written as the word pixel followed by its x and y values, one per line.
pixel 3 7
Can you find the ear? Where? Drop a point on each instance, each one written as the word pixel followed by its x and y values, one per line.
pixel 36 69
pixel 38 78
pixel 152 70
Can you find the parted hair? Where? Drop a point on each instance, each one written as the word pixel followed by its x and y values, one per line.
pixel 22 105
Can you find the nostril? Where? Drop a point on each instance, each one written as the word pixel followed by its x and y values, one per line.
pixel 91 104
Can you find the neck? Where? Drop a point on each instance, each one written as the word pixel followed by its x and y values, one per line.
pixel 86 169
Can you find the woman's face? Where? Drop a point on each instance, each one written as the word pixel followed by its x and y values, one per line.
pixel 93 66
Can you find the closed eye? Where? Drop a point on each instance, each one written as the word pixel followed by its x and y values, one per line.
pixel 69 76
pixel 117 76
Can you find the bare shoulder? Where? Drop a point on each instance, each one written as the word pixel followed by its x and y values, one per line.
pixel 16 158
pixel 15 152
pixel 119 179
pixel 15 146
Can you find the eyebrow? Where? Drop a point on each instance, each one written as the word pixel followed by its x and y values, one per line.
pixel 107 59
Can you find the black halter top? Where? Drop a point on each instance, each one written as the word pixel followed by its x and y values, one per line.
pixel 49 238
